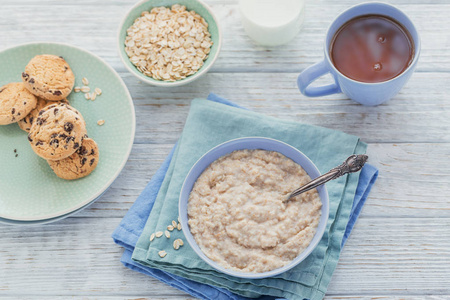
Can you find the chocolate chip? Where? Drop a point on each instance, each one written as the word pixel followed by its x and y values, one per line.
pixel 57 93
pixel 54 135
pixel 83 161
pixel 54 142
pixel 63 136
pixel 68 127
pixel 31 80
pixel 2 90
pixel 29 138
pixel 76 145
pixel 92 161
pixel 65 147
pixel 61 57
pixel 17 155
pixel 24 102
pixel 65 68
pixel 41 112
pixel 92 152
pixel 39 143
pixel 13 110
pixel 31 120
pixel 15 150
pixel 69 138
pixel 82 150
pixel 18 113
pixel 25 75
pixel 13 118
pixel 39 121
pixel 55 111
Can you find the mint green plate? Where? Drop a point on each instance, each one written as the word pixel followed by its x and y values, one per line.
pixel 29 190
pixel 146 5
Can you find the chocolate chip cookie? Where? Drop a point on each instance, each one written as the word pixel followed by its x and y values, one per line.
pixel 79 164
pixel 49 77
pixel 15 102
pixel 57 132
pixel 25 123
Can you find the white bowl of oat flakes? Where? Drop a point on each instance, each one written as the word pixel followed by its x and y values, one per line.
pixel 169 43
pixel 232 211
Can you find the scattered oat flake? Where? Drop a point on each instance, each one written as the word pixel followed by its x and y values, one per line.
pixel 176 245
pixel 87 96
pixel 162 253
pixel 100 122
pixel 98 91
pixel 93 96
pixel 179 226
pixel 85 81
pixel 170 228
pixel 179 220
pixel 159 234
pixel 77 89
pixel 174 224
pixel 85 89
pixel 152 237
pixel 167 234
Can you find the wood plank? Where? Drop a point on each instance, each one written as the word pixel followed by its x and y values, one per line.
pixel 397 256
pixel 185 297
pixel 384 256
pixel 93 26
pixel 381 297
pixel 419 113
pixel 414 181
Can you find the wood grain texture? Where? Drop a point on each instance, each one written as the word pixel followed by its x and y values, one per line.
pixel 397 193
pixel 399 248
pixel 74 257
pixel 420 113
pixel 93 26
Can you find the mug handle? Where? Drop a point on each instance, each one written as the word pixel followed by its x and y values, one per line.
pixel 311 74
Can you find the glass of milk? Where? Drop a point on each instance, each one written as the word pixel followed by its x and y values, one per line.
pixel 272 22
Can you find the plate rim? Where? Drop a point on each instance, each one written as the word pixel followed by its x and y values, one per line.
pixel 97 195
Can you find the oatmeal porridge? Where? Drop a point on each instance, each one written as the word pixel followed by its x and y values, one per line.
pixel 237 215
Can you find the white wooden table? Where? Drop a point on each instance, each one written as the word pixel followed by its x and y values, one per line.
pixel 400 247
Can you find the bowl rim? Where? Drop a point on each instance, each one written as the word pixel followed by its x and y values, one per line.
pixel 162 83
pixel 302 256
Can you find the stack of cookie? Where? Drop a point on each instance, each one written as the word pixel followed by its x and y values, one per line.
pixel 56 131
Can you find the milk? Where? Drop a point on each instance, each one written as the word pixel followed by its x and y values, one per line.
pixel 272 22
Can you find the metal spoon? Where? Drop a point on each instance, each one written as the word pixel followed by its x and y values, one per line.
pixel 352 164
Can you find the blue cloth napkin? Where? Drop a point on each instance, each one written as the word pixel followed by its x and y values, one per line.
pixel 129 230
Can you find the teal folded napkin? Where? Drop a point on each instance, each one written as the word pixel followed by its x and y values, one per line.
pixel 210 124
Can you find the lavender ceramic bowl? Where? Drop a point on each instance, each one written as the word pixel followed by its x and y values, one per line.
pixel 252 143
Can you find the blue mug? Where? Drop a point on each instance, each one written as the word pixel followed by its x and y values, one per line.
pixel 362 92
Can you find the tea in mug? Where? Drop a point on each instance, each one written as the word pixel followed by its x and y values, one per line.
pixel 372 48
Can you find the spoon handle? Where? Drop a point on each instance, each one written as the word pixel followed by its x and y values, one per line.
pixel 352 164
